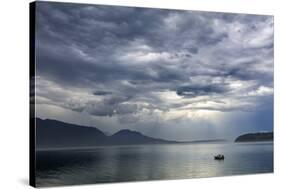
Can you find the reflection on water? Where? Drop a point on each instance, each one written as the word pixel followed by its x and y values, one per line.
pixel 150 162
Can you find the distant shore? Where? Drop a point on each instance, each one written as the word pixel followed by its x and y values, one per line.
pixel 255 137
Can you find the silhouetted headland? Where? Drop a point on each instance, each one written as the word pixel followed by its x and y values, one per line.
pixel 255 137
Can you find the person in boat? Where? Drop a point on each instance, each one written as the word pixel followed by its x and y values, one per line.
pixel 219 156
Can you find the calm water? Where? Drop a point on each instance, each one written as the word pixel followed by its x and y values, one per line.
pixel 151 162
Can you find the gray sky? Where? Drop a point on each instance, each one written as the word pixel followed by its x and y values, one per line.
pixel 182 75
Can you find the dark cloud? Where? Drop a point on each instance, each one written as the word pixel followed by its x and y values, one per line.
pixel 197 90
pixel 112 62
pixel 193 50
pixel 102 93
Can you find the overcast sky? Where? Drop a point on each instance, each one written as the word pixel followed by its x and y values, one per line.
pixel 182 75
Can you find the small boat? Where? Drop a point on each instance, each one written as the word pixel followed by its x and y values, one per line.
pixel 219 157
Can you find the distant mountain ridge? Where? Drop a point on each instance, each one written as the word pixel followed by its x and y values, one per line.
pixel 57 134
pixel 255 137
pixel 127 136
pixel 53 133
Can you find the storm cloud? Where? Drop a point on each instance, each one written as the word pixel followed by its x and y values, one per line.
pixel 124 67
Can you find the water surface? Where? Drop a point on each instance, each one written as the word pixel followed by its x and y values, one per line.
pixel 150 162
